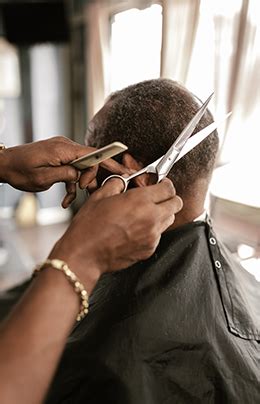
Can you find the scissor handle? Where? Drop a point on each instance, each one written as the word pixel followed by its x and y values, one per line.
pixel 124 180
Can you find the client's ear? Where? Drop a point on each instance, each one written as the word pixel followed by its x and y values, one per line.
pixel 133 164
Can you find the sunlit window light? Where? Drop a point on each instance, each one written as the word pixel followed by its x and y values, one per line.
pixel 252 265
pixel 245 251
pixel 136 37
pixel 211 68
pixel 202 59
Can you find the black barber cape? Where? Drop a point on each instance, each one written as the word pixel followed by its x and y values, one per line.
pixel 181 327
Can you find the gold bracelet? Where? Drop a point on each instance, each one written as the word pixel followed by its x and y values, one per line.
pixel 74 281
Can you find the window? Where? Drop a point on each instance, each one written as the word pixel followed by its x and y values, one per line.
pixel 136 37
pixel 226 54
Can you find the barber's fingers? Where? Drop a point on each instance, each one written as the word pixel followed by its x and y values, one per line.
pixel 160 192
pixel 166 212
pixel 175 203
pixel 87 176
pixel 116 168
pixel 51 175
pixel 68 174
pixel 71 189
pixel 93 186
pixel 111 187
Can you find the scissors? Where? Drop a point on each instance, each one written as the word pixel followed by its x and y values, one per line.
pixel 179 148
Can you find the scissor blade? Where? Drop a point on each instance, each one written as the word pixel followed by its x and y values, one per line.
pixel 171 155
pixel 188 130
pixel 200 136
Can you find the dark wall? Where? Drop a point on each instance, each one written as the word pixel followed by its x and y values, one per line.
pixel 27 23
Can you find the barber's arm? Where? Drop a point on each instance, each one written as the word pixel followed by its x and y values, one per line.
pixel 37 166
pixel 109 233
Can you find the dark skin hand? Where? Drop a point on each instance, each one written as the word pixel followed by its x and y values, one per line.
pixel 110 232
pixel 144 214
pixel 35 167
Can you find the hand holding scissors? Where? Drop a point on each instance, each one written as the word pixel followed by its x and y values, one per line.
pixel 181 146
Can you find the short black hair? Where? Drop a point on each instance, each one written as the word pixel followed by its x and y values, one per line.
pixel 148 117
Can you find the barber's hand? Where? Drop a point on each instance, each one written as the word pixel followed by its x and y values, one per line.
pixel 37 166
pixel 111 231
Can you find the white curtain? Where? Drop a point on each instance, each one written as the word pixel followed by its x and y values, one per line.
pixel 180 20
pixel 238 84
pixel 215 45
pixel 98 14
pixel 97 54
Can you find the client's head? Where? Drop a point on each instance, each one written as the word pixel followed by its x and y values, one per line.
pixel 148 117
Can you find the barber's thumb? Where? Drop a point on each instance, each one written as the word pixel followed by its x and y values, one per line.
pixel 178 203
pixel 111 187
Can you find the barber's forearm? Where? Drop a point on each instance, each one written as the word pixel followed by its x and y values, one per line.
pixel 33 337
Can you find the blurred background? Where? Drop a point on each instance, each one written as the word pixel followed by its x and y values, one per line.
pixel 59 60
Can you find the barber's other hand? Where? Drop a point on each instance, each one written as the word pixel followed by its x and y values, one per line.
pixel 37 166
pixel 112 232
